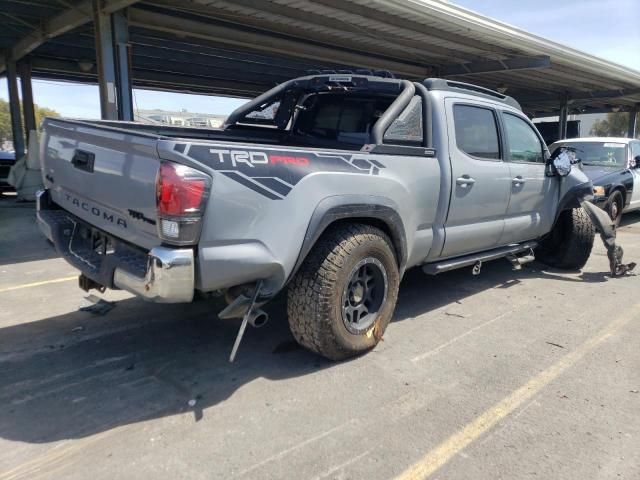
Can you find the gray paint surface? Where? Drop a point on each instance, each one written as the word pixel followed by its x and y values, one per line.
pixel 254 226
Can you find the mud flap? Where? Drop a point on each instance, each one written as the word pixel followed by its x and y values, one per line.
pixel 607 230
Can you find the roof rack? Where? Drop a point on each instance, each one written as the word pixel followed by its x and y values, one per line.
pixel 468 88
pixel 362 71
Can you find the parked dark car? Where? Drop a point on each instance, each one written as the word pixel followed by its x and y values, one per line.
pixel 7 159
pixel 613 165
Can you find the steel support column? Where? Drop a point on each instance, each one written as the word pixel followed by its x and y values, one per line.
pixel 28 108
pixel 562 120
pixel 105 63
pixel 633 121
pixel 14 108
pixel 112 56
pixel 123 65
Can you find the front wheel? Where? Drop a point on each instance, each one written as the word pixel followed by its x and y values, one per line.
pixel 615 204
pixel 568 245
pixel 341 300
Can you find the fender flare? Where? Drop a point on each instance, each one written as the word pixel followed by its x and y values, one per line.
pixel 574 197
pixel 364 207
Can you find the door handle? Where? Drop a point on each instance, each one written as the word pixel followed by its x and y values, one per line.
pixel 518 180
pixel 464 181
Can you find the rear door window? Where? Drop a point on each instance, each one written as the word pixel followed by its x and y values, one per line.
pixel 476 131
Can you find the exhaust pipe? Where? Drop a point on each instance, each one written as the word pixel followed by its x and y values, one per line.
pixel 258 318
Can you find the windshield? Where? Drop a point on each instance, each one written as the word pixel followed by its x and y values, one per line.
pixel 602 154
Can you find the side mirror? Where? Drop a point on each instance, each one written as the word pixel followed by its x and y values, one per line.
pixel 562 159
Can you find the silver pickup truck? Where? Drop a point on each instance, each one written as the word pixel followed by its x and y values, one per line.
pixel 329 185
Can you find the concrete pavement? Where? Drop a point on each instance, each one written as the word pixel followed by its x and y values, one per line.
pixel 531 374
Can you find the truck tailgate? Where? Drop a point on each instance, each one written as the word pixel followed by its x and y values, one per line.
pixel 106 177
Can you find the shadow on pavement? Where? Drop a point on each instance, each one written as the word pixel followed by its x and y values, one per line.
pixel 20 239
pixel 77 374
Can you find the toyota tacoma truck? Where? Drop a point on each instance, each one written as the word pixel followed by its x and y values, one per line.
pixel 329 185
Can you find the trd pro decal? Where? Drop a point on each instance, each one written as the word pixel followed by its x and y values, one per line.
pixel 274 173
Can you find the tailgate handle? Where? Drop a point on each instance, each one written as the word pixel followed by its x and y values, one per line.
pixel 83 160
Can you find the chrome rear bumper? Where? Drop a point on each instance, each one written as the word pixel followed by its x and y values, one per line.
pixel 163 275
pixel 170 277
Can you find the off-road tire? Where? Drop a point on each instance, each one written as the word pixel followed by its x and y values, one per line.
pixel 615 213
pixel 315 295
pixel 569 244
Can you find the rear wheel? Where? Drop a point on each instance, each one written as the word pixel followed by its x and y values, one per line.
pixel 341 300
pixel 615 204
pixel 569 244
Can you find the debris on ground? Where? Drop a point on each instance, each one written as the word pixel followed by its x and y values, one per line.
pixel 458 315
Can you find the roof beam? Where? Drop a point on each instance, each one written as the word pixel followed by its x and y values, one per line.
pixel 269 43
pixel 61 23
pixel 589 95
pixel 372 11
pixel 149 79
pixel 493 66
pixel 292 21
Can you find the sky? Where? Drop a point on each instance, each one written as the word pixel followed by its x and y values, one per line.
pixel 606 28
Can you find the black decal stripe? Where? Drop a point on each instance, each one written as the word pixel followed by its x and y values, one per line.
pixel 274 184
pixel 248 183
pixel 277 178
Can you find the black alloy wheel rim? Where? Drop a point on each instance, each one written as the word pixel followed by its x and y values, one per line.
pixel 364 295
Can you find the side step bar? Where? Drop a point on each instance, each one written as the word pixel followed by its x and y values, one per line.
pixel 477 259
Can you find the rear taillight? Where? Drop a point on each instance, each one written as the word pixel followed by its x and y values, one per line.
pixel 181 196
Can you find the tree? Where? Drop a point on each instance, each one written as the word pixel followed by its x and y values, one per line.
pixel 5 118
pixel 615 125
pixel 42 112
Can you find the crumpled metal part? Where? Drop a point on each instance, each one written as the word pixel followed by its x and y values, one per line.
pixel 607 230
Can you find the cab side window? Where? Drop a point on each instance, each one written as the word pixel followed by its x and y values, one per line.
pixel 476 131
pixel 407 128
pixel 524 144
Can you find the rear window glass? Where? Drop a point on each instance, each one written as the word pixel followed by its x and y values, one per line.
pixel 476 131
pixel 407 128
pixel 340 118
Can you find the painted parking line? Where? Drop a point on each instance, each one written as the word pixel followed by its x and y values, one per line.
pixel 37 284
pixel 457 442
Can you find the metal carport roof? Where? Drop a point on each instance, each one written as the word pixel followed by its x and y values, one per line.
pixel 243 47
